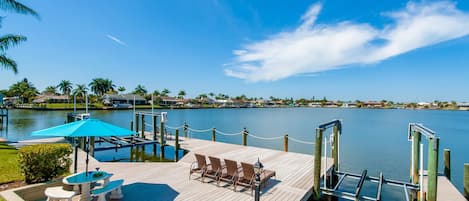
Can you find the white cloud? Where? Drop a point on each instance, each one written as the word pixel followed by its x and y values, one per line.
pixel 313 48
pixel 118 41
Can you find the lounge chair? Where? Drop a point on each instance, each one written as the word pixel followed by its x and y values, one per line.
pixel 247 179
pixel 231 174
pixel 214 170
pixel 198 166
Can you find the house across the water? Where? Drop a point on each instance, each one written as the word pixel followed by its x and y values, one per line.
pixel 116 99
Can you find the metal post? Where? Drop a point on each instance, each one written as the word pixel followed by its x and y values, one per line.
pixel 176 146
pixel 285 143
pixel 433 146
pixel 447 162
pixel 213 134
pixel 416 151
pixel 75 164
pixel 466 180
pixel 258 187
pixel 317 164
pixel 245 137
pixel 142 135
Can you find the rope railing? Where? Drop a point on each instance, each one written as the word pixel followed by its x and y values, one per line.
pixel 228 134
pixel 192 130
pixel 199 131
pixel 266 138
pixel 300 141
pixel 174 127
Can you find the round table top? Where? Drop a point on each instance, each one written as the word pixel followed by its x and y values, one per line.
pixel 81 178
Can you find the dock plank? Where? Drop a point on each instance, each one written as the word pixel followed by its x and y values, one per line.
pixel 294 174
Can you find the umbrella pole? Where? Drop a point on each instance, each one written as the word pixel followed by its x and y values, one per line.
pixel 87 153
pixel 75 164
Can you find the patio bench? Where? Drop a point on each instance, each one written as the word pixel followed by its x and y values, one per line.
pixel 114 186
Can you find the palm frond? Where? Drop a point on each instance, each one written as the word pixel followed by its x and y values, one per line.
pixel 8 63
pixel 9 40
pixel 13 5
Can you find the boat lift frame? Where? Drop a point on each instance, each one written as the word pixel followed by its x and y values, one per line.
pixel 333 178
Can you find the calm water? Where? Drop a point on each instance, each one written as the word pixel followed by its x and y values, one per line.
pixel 372 139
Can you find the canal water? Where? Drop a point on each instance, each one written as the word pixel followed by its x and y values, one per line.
pixel 372 139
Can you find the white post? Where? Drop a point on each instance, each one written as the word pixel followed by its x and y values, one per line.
pixel 325 161
pixel 152 104
pixel 338 150
pixel 75 103
pixel 86 107
pixel 421 172
pixel 135 124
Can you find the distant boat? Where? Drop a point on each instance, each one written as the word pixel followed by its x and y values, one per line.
pixel 122 105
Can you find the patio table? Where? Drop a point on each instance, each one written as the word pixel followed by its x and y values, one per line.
pixel 85 182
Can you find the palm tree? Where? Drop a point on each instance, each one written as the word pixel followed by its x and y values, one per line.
pixel 100 86
pixel 108 85
pixel 10 40
pixel 23 89
pixel 140 90
pixel 181 94
pixel 50 90
pixel 66 87
pixel 121 89
pixel 80 90
pixel 156 93
pixel 165 92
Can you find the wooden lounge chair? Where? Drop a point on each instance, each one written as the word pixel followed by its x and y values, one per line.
pixel 247 179
pixel 231 174
pixel 198 166
pixel 215 169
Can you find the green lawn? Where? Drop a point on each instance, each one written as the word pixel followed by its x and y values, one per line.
pixel 9 164
pixel 69 105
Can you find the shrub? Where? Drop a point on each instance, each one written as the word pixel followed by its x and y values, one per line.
pixel 39 163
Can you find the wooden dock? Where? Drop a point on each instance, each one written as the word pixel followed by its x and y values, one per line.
pixel 170 181
pixel 446 191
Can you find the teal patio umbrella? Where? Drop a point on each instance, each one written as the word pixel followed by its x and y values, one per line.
pixel 85 128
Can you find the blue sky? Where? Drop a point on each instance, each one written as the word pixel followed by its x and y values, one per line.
pixel 348 50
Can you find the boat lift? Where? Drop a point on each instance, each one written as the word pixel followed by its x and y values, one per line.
pixel 333 178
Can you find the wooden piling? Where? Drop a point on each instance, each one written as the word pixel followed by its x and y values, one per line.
pixel 185 128
pixel 142 135
pixel 213 135
pixel 466 180
pixel 433 146
pixel 136 122
pixel 416 157
pixel 447 162
pixel 335 148
pixel 162 141
pixel 82 143
pixel 245 137
pixel 154 127
pixel 176 146
pixel 285 143
pixel 132 125
pixel 91 146
pixel 317 164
